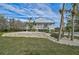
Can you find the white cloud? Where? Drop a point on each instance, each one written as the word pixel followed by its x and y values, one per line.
pixel 44 10
pixel 9 7
pixel 37 10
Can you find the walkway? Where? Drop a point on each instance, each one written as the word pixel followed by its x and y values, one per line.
pixel 65 41
pixel 26 34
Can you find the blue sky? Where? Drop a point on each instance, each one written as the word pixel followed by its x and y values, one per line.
pixel 25 10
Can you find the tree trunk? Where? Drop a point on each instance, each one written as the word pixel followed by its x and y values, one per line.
pixel 61 32
pixel 62 35
pixel 72 32
pixel 74 12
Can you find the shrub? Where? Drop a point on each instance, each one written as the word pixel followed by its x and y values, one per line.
pixel 31 30
pixel 43 30
pixel 52 30
pixel 55 35
pixel 57 29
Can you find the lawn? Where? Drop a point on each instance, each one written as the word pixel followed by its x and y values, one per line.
pixel 33 46
pixel 1 33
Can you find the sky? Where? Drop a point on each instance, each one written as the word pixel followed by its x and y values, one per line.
pixel 22 11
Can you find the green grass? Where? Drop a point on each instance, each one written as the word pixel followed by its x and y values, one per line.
pixel 1 33
pixel 34 46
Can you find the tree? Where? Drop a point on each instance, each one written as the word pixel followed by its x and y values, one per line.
pixel 3 23
pixel 61 32
pixel 34 24
pixel 12 22
pixel 74 12
pixel 68 27
pixel 30 24
pixel 76 26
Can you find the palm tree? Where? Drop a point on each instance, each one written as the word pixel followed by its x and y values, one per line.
pixel 12 22
pixel 34 24
pixel 74 12
pixel 30 24
pixel 68 27
pixel 61 32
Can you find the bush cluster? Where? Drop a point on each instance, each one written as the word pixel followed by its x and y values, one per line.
pixel 55 35
pixel 44 30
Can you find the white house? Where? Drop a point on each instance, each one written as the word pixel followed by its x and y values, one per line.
pixel 41 23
